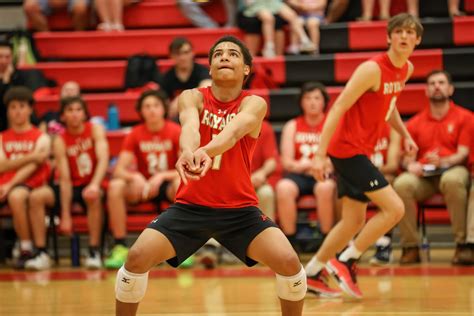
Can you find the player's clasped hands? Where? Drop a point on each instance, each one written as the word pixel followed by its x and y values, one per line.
pixel 193 165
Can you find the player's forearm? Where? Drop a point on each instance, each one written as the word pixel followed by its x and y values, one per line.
pixel 12 164
pixel 221 143
pixel 268 167
pixel 453 160
pixel 397 123
pixel 23 174
pixel 190 138
pixel 100 171
pixel 122 173
pixel 169 175
pixel 329 128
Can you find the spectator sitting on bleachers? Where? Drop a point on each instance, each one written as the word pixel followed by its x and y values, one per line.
pixel 37 12
pixel 9 77
pixel 311 13
pixel 192 10
pixel 264 164
pixel 453 8
pixel 50 122
pixel 442 135
pixel 252 28
pixel 82 155
pixel 111 14
pixel 265 10
pixel 153 147
pixel 186 73
pixel 24 171
pixel 386 158
pixel 368 9
pixel 299 142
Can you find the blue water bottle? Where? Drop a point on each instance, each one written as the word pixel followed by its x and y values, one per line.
pixel 113 119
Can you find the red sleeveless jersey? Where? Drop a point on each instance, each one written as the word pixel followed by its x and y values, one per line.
pixel 227 184
pixel 306 138
pixel 154 151
pixel 379 156
pixel 16 145
pixel 361 125
pixel 81 156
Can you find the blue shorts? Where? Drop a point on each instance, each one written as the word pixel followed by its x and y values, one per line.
pixel 47 10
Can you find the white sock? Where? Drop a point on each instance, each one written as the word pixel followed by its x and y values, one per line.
pixel 313 266
pixel 350 253
pixel 383 241
pixel 26 245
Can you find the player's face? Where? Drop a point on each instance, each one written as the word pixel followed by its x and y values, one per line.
pixel 74 115
pixel 184 57
pixel 70 89
pixel 312 102
pixel 404 39
pixel 228 63
pixel 5 58
pixel 153 110
pixel 438 88
pixel 18 113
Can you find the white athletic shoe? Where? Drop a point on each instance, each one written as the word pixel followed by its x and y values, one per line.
pixel 93 262
pixel 41 261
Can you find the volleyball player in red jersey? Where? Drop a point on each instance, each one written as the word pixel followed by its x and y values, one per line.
pixel 220 126
pixel 24 172
pixel 82 157
pixel 145 168
pixel 349 136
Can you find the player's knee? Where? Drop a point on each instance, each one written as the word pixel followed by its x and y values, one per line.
pixel 18 196
pixel 292 288
pixel 398 210
pixel 130 287
pixel 327 187
pixel 116 187
pixel 31 7
pixel 36 198
pixel 286 188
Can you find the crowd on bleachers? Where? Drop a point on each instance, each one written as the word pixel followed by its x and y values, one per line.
pixel 64 163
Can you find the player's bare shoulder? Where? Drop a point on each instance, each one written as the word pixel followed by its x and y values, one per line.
pixel 254 103
pixel 189 98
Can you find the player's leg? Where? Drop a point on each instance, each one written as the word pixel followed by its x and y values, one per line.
pixel 325 193
pixel 287 192
pixel 39 199
pixel 266 200
pixel 94 222
pixel 273 249
pixel 151 248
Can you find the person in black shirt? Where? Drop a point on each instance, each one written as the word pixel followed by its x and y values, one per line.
pixel 186 74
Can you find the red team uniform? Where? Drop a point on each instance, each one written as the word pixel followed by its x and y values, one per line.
pixel 234 165
pixel 222 204
pixel 154 151
pixel 81 156
pixel 358 131
pixel 266 148
pixel 15 145
pixel 379 156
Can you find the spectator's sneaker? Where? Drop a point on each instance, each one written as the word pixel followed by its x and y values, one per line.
pixel 382 256
pixel 188 263
pixel 22 258
pixel 208 256
pixel 117 257
pixel 345 274
pixel 41 261
pixel 318 284
pixel 93 261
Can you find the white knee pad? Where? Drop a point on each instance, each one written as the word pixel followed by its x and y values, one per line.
pixel 292 288
pixel 130 287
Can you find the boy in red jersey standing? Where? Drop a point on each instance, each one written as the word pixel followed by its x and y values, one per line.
pixel 220 126
pixel 24 172
pixel 82 157
pixel 349 137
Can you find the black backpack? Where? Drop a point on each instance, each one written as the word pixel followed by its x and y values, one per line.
pixel 141 69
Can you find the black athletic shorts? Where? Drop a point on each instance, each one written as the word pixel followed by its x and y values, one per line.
pixel 253 25
pixel 304 183
pixel 357 175
pixel 76 197
pixel 189 227
pixel 162 196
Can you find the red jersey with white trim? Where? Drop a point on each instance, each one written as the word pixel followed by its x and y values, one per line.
pixel 81 155
pixel 359 128
pixel 307 138
pixel 379 156
pixel 227 184
pixel 154 151
pixel 15 145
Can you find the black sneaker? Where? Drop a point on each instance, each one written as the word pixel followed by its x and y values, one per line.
pixel 382 256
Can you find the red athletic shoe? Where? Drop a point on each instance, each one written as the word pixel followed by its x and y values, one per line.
pixel 345 274
pixel 317 284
